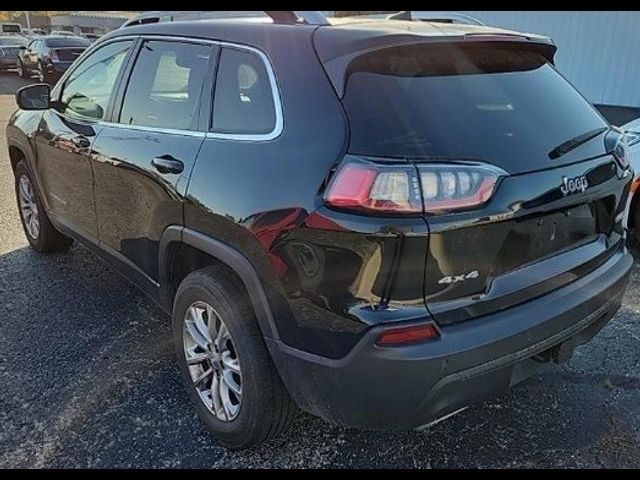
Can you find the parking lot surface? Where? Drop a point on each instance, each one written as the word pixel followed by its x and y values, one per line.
pixel 88 379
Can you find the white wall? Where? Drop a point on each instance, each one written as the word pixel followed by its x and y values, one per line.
pixel 599 52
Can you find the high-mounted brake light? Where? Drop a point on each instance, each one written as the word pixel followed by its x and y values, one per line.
pixel 395 337
pixel 401 188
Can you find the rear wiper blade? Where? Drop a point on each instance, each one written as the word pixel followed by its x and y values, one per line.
pixel 575 142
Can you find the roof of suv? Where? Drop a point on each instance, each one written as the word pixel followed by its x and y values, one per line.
pixel 342 36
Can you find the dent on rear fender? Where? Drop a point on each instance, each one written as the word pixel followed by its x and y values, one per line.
pixel 336 275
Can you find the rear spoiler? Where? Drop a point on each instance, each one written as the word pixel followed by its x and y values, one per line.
pixel 338 67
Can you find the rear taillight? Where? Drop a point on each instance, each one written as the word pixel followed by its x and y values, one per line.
pixel 453 187
pixel 375 188
pixel 395 337
pixel 402 189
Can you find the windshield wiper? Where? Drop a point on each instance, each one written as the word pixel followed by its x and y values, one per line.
pixel 575 142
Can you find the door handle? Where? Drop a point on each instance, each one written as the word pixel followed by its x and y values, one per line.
pixel 81 141
pixel 168 164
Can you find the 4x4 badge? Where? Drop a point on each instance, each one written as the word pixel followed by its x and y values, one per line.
pixel 574 185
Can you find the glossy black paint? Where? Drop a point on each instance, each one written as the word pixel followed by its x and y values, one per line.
pixel 518 241
pixel 329 277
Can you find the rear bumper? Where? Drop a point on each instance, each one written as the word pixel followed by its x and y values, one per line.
pixel 407 387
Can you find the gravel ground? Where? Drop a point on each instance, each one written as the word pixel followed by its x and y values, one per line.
pixel 89 380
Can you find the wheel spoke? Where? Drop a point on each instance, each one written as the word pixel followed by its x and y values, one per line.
pixel 203 376
pixel 215 396
pixel 196 358
pixel 192 331
pixel 221 338
pixel 200 323
pixel 212 316
pixel 24 189
pixel 35 226
pixel 232 364
pixel 226 404
pixel 230 381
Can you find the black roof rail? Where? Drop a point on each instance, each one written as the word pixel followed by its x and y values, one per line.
pixel 287 17
pixel 449 17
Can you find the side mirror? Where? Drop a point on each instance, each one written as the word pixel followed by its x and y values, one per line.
pixel 34 97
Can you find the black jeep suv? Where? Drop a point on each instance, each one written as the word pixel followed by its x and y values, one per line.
pixel 377 221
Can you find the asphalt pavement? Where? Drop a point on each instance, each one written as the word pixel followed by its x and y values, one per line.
pixel 88 379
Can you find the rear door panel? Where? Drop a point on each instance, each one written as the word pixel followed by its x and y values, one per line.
pixel 134 202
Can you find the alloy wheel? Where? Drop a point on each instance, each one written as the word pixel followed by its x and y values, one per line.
pixel 29 207
pixel 212 361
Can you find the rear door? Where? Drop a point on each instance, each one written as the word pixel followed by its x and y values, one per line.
pixel 143 158
pixel 521 193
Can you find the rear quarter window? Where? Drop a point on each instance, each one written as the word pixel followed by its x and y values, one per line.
pixel 244 99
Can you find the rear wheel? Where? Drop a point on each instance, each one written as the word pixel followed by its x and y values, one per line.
pixel 41 234
pixel 225 365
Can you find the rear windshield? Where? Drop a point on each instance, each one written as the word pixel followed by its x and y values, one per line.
pixel 12 41
pixel 472 102
pixel 67 42
pixel 11 29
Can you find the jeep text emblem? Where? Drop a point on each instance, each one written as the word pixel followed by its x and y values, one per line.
pixel 573 185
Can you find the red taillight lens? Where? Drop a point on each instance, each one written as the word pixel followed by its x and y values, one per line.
pixel 424 187
pixel 376 188
pixel 395 337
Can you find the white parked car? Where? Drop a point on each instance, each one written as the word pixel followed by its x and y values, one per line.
pixel 633 208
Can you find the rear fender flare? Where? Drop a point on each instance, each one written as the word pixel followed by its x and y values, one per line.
pixel 225 254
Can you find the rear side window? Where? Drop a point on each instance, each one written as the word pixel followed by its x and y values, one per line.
pixel 11 28
pixel 480 102
pixel 166 84
pixel 67 42
pixel 88 90
pixel 244 102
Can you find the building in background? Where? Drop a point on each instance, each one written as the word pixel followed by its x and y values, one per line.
pixel 599 52
pixel 97 23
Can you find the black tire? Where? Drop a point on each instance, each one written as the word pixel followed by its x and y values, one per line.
pixel 266 410
pixel 48 240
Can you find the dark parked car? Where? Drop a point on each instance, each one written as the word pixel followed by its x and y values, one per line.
pixel 380 222
pixel 9 50
pixel 49 57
